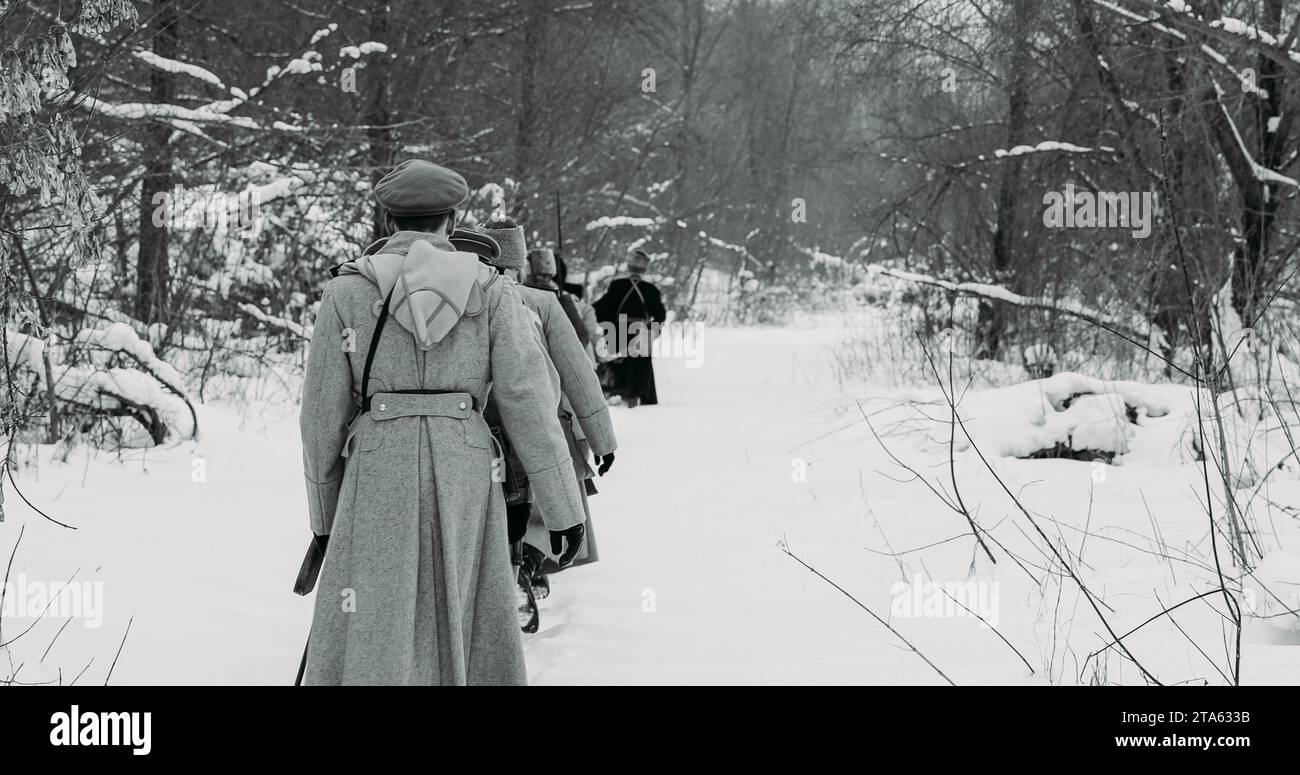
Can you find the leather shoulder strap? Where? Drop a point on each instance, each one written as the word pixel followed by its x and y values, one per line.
pixel 631 290
pixel 374 348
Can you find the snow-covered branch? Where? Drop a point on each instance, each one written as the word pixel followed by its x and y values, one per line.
pixel 164 111
pixel 1260 172
pixel 216 112
pixel 1212 53
pixel 1047 146
pixel 616 221
pixel 182 68
pixel 282 323
pixel 1000 294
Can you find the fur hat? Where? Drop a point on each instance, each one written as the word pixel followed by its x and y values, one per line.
pixel 638 262
pixel 514 248
pixel 541 261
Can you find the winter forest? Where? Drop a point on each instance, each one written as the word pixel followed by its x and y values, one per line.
pixel 980 361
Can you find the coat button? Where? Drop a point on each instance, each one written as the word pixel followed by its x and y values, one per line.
pixel 383 407
pixel 462 404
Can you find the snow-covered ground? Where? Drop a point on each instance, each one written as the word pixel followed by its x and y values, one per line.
pixel 757 447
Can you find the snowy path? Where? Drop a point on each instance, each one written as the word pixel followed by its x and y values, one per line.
pixel 692 586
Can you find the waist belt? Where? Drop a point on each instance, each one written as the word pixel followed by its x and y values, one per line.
pixel 418 403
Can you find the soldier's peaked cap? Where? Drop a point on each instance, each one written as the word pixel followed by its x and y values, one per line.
pixel 417 187
pixel 476 242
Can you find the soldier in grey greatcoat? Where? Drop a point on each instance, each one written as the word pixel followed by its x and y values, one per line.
pixel 583 395
pixel 583 413
pixel 416 586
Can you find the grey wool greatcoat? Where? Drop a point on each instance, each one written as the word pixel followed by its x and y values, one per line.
pixel 417 586
pixel 583 402
pixel 582 394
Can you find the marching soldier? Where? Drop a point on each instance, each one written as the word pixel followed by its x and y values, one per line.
pixel 583 412
pixel 630 308
pixel 593 340
pixel 584 401
pixel 416 586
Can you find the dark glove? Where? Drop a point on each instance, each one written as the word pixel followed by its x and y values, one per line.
pixel 604 463
pixel 574 535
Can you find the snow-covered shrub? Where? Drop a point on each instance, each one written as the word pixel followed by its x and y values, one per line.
pixel 754 303
pixel 26 370
pixel 108 375
pixel 1066 415
pixel 886 344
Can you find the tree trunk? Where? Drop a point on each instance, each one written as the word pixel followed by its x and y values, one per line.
pixel 1254 275
pixel 380 139
pixel 993 318
pixel 153 272
pixel 530 53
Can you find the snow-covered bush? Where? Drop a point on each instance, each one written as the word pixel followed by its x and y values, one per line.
pixel 1067 415
pixel 108 387
pixel 753 303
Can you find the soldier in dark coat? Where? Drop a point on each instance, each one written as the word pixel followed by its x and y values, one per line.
pixel 628 312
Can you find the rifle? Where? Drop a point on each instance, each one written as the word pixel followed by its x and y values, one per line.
pixel 306 582
pixel 573 288
pixel 559 226
pixel 311 563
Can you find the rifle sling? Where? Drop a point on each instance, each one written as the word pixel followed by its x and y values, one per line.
pixel 374 347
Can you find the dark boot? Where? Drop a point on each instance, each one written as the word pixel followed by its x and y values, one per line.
pixel 529 620
pixel 541 586
pixel 533 561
